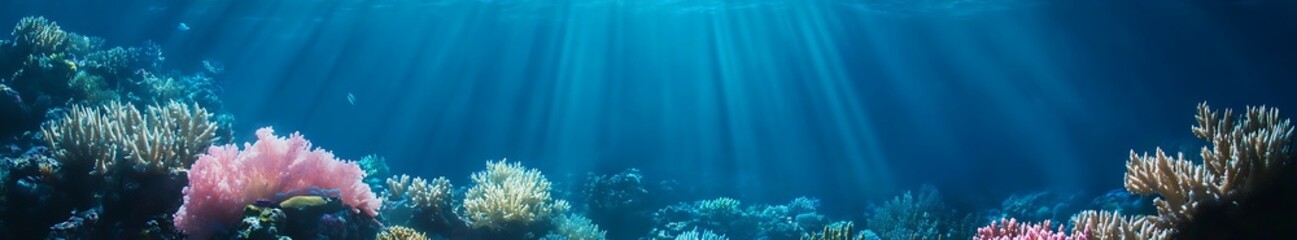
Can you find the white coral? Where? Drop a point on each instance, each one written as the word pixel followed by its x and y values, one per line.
pixel 508 195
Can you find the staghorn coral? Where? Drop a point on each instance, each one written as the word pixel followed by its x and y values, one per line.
pixel 1010 229
pixel 434 196
pixel 162 139
pixel 401 233
pixel 723 208
pixel 507 195
pixel 1110 225
pixel 40 35
pixel 703 235
pixel 575 227
pixel 1245 155
pixel 837 231
pixel 225 180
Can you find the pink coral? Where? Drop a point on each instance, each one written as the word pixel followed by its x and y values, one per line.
pixel 1010 229
pixel 225 180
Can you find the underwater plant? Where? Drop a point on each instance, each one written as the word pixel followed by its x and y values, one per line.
pixel 273 168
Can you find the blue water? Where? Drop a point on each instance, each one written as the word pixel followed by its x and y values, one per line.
pixel 850 101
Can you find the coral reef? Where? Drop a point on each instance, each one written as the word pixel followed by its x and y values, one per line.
pixel 162 139
pixel 1010 229
pixel 508 196
pixel 419 193
pixel 703 235
pixel 1110 225
pixel 727 216
pixel 401 233
pixel 303 217
pixel 80 225
pixel 836 231
pixel 1039 206
pixel 376 171
pixel 40 35
pixel 575 227
pixel 1119 200
pixel 46 68
pixel 622 191
pixel 416 202
pixel 621 202
pixel 1243 187
pixel 226 179
pixel 918 216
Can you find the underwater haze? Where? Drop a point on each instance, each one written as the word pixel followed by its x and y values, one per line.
pixel 849 102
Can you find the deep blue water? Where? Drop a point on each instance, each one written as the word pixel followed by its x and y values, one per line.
pixel 851 101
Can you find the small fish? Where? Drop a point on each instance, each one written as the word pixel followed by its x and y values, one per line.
pixel 213 66
pixel 351 99
pixel 183 27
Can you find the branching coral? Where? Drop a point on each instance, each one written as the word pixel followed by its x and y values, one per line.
pixel 1245 154
pixel 1242 185
pixel 575 227
pixel 507 195
pixel 835 231
pixel 225 180
pixel 40 34
pixel 1010 229
pixel 401 233
pixel 421 194
pixel 700 235
pixel 1110 225
pixel 162 139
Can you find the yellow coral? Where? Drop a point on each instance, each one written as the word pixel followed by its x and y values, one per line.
pixel 162 139
pixel 401 233
pixel 509 195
